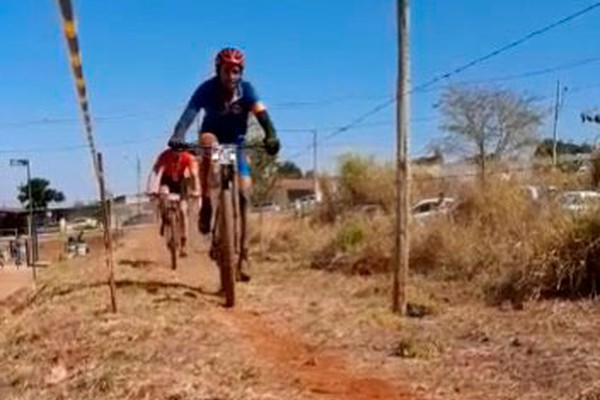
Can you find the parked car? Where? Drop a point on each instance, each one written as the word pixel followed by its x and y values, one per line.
pixel 577 201
pixel 427 209
pixel 304 205
pixel 139 219
pixel 82 223
pixel 267 207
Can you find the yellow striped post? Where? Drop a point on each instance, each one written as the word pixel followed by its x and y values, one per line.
pixel 70 31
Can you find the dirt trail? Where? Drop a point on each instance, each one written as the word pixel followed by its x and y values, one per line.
pixel 276 349
pixel 13 279
pixel 320 373
pixel 296 333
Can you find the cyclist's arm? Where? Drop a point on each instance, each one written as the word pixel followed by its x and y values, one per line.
pixel 152 185
pixel 187 117
pixel 260 112
pixel 155 175
pixel 262 116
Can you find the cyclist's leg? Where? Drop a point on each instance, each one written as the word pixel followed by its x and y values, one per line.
pixel 245 187
pixel 206 139
pixel 163 192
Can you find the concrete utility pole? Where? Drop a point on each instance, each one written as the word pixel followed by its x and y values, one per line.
pixel 554 156
pixel 315 162
pixel 31 231
pixel 139 185
pixel 108 244
pixel 400 270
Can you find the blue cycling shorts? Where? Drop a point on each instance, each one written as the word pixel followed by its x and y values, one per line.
pixel 243 161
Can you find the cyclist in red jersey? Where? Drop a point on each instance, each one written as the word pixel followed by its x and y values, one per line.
pixel 176 172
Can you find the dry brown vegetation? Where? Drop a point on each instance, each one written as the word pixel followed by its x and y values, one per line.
pixel 171 340
pixel 497 239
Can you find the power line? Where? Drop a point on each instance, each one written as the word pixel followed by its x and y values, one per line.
pixel 350 125
pixel 48 150
pixel 146 114
pixel 522 75
pixel 335 131
pixel 332 100
pixel 294 104
pixel 544 71
pixel 472 63
pixel 507 47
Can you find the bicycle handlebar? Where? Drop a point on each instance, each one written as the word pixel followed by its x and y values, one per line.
pixel 198 148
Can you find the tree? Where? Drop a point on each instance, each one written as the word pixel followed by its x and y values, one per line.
pixel 288 169
pixel 488 123
pixel 41 192
pixel 544 149
pixel 264 172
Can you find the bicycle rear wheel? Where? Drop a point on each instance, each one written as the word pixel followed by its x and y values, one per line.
pixel 226 246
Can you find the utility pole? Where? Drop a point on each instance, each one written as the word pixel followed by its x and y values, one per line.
pixel 31 233
pixel 32 225
pixel 400 270
pixel 108 244
pixel 554 144
pixel 139 185
pixel 315 163
pixel 557 106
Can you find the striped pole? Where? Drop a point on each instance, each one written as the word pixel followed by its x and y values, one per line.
pixel 70 32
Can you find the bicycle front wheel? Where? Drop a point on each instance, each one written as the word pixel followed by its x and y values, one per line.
pixel 227 246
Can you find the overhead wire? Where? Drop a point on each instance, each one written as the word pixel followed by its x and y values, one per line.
pixel 381 106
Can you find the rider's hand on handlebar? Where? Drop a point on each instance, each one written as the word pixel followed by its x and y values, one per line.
pixel 272 145
pixel 152 195
pixel 175 142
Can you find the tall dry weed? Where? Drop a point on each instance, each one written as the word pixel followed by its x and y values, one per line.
pixel 497 238
pixel 511 247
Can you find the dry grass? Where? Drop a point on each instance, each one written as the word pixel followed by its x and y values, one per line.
pixel 511 247
pixel 168 341
pixel 497 239
pixel 360 245
pixel 284 237
pixel 464 350
pixel 364 181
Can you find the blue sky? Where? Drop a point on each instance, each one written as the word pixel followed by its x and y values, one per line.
pixel 316 64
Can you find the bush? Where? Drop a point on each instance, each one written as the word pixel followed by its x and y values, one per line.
pixel 359 245
pixel 511 248
pixel 496 239
pixel 363 181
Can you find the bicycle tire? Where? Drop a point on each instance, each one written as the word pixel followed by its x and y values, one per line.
pixel 172 242
pixel 227 246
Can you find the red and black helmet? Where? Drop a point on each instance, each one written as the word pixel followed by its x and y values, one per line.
pixel 230 56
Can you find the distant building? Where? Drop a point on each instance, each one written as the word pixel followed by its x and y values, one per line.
pixel 12 220
pixel 287 191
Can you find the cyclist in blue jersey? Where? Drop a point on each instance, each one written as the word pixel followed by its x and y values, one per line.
pixel 227 101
